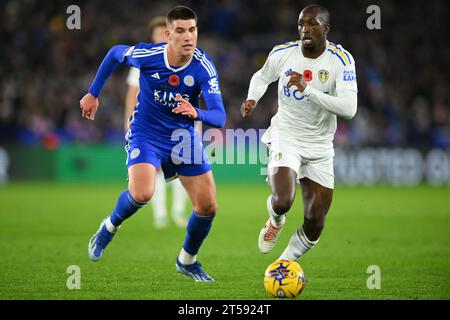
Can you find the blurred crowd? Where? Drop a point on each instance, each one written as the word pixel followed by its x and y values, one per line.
pixel 45 68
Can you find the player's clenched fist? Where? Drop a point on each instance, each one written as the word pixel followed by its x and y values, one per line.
pixel 247 107
pixel 89 105
pixel 296 79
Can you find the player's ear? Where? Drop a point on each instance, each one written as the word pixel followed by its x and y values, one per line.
pixel 167 33
pixel 326 29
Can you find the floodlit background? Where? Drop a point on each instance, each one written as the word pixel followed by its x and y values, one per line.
pixel 60 175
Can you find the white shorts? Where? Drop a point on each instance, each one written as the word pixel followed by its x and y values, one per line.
pixel 320 170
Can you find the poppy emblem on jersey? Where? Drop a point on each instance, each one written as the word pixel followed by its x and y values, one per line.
pixel 323 75
pixel 188 80
pixel 307 74
pixel 174 80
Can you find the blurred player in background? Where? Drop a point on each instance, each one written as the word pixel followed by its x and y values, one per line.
pixel 172 77
pixel 316 83
pixel 157 28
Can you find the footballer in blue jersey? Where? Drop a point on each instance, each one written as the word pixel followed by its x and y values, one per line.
pixel 173 75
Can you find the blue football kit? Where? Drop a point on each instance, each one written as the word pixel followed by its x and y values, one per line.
pixel 160 137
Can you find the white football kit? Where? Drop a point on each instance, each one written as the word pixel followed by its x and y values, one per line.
pixel 301 133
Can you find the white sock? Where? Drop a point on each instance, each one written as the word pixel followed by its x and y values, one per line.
pixel 298 246
pixel 186 258
pixel 277 220
pixel 111 228
pixel 159 198
pixel 179 198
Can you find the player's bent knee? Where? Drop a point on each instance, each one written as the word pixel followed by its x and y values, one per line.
pixel 281 203
pixel 206 209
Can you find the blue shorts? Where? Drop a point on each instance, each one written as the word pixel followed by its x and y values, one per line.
pixel 183 160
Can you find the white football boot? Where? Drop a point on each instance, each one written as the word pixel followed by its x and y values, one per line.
pixel 268 237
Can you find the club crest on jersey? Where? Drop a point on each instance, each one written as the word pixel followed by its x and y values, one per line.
pixel 174 80
pixel 277 156
pixel 188 80
pixel 135 153
pixel 323 75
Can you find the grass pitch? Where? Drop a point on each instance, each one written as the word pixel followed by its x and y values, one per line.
pixel 45 228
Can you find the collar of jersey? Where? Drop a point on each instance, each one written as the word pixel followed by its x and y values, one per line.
pixel 166 61
pixel 316 60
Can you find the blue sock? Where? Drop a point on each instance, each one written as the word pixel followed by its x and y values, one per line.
pixel 197 229
pixel 126 206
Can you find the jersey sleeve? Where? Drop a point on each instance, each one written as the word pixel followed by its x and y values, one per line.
pixel 135 56
pixel 142 54
pixel 210 86
pixel 346 76
pixel 263 77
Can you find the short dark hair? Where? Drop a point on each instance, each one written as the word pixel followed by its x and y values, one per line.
pixel 180 13
pixel 322 12
pixel 158 21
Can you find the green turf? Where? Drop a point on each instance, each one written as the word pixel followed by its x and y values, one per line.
pixel 44 228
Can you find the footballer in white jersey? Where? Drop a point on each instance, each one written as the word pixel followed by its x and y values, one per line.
pixel 302 117
pixel 304 126
pixel 316 83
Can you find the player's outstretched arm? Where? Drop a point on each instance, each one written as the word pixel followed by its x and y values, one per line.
pixel 258 85
pixel 112 60
pixel 257 88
